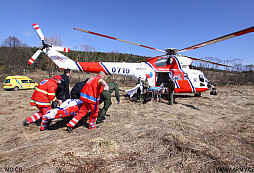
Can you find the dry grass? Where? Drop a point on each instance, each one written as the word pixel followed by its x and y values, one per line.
pixel 193 135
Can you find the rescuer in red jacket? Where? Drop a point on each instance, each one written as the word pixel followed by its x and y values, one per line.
pixel 44 93
pixel 90 95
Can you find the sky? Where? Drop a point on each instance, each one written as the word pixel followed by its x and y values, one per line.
pixel 160 24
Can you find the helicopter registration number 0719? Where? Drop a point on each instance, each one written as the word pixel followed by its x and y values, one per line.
pixel 119 69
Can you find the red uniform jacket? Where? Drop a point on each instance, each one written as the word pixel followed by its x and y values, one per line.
pixel 90 93
pixel 44 93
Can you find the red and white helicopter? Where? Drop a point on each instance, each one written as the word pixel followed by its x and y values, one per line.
pixel 157 69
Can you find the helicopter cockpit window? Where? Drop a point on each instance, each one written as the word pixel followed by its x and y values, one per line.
pixel 177 77
pixel 161 62
pixel 201 78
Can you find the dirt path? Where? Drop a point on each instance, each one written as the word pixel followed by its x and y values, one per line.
pixel 203 134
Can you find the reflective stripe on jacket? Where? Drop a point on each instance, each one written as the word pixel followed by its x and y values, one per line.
pixel 44 93
pixel 90 93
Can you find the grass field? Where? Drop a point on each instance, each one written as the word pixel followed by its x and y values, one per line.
pixel 205 134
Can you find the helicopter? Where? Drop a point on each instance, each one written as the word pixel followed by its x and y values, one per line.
pixel 156 69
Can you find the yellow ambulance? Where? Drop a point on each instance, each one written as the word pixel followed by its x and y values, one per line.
pixel 19 82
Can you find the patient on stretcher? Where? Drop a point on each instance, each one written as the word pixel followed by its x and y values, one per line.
pixel 68 108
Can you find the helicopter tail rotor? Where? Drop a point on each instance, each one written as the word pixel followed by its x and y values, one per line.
pixel 51 51
pixel 61 49
pixel 34 57
pixel 38 31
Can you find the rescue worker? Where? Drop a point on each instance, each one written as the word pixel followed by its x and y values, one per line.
pixel 106 97
pixel 171 89
pixel 90 95
pixel 145 89
pixel 138 90
pixel 44 93
pixel 75 92
pixel 68 108
pixel 59 95
pixel 63 91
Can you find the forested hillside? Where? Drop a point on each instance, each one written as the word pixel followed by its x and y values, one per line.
pixel 14 56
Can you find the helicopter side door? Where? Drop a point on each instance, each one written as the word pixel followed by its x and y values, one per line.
pixel 183 85
pixel 161 78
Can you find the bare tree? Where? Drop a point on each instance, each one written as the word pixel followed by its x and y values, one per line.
pixel 229 63
pixel 14 54
pixel 54 40
pixel 87 49
pixel 237 63
pixel 77 56
pixel 249 67
pixel 82 54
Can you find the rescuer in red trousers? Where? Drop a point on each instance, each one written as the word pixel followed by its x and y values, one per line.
pixel 90 95
pixel 44 93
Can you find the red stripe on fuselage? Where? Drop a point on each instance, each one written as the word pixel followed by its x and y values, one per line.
pixel 201 89
pixel 91 67
pixel 184 87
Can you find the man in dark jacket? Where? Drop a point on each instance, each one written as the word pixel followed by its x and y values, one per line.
pixel 63 91
pixel 65 83
pixel 145 89
pixel 171 89
pixel 75 92
pixel 106 97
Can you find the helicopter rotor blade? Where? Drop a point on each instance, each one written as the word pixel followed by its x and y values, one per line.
pixel 34 57
pixel 61 49
pixel 38 31
pixel 90 32
pixel 232 35
pixel 205 61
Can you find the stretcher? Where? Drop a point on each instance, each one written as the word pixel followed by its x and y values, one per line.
pixel 156 93
pixel 68 108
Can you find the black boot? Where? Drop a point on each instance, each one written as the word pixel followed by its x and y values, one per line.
pixel 25 123
pixel 69 129
pixel 99 120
